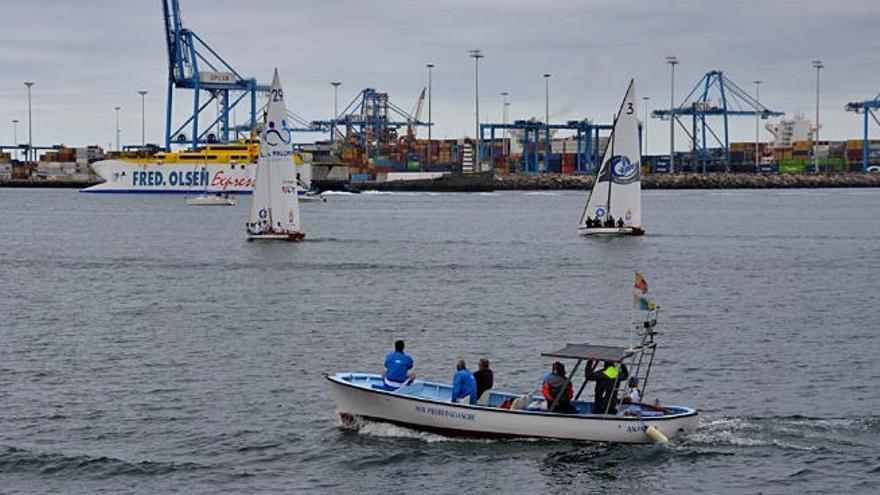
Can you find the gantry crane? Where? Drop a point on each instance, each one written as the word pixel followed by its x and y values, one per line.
pixel 730 100
pixel 868 109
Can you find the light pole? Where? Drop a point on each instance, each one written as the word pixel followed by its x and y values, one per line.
pixel 335 85
pixel 143 94
pixel 645 127
pixel 476 54
pixel 546 122
pixel 430 122
pixel 27 155
pixel 757 117
pixel 672 61
pixel 117 127
pixel 504 105
pixel 818 65
pixel 15 137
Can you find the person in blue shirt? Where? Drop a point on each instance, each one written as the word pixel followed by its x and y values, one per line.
pixel 463 383
pixel 397 367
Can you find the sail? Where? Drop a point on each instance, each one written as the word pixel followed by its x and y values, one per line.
pixel 275 207
pixel 617 190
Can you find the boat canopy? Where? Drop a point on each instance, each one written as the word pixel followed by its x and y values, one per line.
pixel 592 352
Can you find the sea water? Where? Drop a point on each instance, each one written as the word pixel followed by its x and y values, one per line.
pixel 148 348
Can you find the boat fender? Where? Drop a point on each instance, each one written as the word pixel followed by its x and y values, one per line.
pixel 656 435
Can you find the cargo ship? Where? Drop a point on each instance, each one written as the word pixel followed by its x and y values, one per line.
pixel 213 168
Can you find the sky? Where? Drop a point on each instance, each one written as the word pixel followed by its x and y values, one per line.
pixel 89 56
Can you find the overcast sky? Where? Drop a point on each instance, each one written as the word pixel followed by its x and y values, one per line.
pixel 89 56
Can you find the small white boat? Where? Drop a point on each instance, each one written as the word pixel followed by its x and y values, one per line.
pixel 427 406
pixel 208 199
pixel 312 197
pixel 274 213
pixel 615 203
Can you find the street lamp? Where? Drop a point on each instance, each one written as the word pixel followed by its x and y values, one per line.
pixel 476 54
pixel 672 61
pixel 645 127
pixel 504 105
pixel 818 65
pixel 335 85
pixel 430 122
pixel 757 117
pixel 143 94
pixel 27 155
pixel 546 122
pixel 117 127
pixel 15 136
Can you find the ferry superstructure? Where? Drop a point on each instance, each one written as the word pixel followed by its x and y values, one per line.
pixel 212 168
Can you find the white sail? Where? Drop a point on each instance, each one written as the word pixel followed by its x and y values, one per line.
pixel 617 190
pixel 275 209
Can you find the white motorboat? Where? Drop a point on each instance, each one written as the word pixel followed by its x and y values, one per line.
pixel 615 203
pixel 274 213
pixel 425 405
pixel 312 197
pixel 208 199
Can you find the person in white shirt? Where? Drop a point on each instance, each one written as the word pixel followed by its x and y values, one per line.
pixel 632 399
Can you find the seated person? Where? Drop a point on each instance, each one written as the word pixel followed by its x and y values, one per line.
pixel 632 399
pixel 463 383
pixel 620 222
pixel 397 367
pixel 553 388
pixel 484 377
pixel 610 221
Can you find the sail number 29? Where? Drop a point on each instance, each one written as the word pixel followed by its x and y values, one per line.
pixel 277 95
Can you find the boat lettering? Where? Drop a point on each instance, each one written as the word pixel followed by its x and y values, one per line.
pixel 189 178
pixel 445 413
pixel 275 153
pixel 636 428
pixel 144 178
pixel 222 181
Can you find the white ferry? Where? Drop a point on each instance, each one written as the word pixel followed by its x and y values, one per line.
pixel 212 168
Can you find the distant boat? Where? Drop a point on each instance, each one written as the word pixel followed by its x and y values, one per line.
pixel 615 203
pixel 274 211
pixel 209 199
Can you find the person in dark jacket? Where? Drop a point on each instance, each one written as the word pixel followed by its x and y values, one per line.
pixel 556 385
pixel 484 377
pixel 607 379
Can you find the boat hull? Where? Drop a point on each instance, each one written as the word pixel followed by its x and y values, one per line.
pixel 359 402
pixel 210 200
pixel 292 237
pixel 610 231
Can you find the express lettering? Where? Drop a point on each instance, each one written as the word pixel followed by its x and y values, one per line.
pixel 220 180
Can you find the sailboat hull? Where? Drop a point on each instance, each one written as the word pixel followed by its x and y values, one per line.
pixel 609 231
pixel 292 237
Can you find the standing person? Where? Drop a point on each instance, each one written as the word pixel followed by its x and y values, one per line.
pixel 606 386
pixel 463 383
pixel 484 377
pixel 397 367
pixel 553 388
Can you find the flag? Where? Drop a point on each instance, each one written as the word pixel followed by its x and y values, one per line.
pixel 640 283
pixel 646 303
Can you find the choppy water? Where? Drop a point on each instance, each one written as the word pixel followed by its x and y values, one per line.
pixel 147 348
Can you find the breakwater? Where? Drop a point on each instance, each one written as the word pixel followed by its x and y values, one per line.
pixel 543 182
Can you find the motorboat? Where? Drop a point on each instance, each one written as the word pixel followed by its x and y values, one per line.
pixel 208 199
pixel 426 405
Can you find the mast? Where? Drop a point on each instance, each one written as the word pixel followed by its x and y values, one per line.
pixel 608 165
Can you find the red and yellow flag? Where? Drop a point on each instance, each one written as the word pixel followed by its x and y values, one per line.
pixel 640 283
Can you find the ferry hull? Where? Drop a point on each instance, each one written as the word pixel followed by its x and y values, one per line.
pixel 356 401
pixel 126 177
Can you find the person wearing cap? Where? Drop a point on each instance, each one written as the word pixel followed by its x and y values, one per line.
pixel 397 367
pixel 632 399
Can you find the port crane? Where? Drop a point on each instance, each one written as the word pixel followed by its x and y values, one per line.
pixel 869 109
pixel 194 65
pixel 714 95
pixel 371 120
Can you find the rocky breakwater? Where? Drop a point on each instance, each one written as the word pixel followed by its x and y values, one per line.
pixel 543 182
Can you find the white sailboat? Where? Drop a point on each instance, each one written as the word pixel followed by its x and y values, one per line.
pixel 615 204
pixel 274 211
